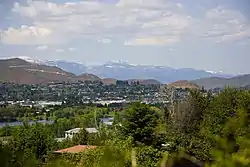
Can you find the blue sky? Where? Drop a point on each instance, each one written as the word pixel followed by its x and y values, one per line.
pixel 203 34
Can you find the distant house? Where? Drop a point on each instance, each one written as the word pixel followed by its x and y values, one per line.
pixel 70 133
pixel 75 149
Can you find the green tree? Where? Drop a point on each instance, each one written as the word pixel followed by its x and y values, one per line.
pixel 148 156
pixel 35 141
pixel 139 121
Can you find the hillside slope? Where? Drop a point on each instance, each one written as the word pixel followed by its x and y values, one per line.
pixel 22 72
pixel 183 84
pixel 216 82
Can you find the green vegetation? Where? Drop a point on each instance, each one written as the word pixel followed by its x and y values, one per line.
pixel 211 129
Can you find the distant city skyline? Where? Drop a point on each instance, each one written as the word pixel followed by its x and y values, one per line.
pixel 213 35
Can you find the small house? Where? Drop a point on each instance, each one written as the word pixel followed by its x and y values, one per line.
pixel 70 133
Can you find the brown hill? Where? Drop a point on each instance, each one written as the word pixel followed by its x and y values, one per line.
pixel 21 72
pixel 109 81
pixel 183 84
pixel 216 82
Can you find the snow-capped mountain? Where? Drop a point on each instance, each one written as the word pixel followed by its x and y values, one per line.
pixel 26 58
pixel 75 68
pixel 122 70
pixel 220 74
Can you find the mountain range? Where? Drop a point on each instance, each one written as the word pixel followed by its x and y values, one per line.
pixel 25 70
pixel 125 71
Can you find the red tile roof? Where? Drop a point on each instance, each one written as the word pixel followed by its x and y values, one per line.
pixel 75 149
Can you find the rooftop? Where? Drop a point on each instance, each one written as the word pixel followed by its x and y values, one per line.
pixel 76 130
pixel 76 149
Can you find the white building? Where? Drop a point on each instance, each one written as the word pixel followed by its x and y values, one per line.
pixel 70 133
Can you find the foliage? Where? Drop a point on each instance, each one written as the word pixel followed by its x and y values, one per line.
pixel 34 141
pixel 148 156
pixel 237 159
pixel 139 121
pixel 80 138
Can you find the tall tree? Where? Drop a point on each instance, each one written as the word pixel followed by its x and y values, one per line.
pixel 139 121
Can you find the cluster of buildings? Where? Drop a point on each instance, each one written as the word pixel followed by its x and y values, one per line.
pixel 28 103
pixel 75 93
pixel 85 93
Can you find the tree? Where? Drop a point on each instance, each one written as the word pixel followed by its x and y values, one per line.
pixel 139 121
pixel 35 141
pixel 238 159
pixel 81 138
pixel 6 131
pixel 148 156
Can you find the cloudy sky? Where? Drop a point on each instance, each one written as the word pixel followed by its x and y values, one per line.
pixel 203 34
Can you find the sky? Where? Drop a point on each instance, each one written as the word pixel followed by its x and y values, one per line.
pixel 212 35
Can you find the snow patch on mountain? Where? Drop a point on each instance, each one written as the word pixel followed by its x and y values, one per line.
pixel 25 58
pixel 30 60
pixel 214 72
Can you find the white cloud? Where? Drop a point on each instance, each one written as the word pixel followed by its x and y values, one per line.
pixel 105 40
pixel 27 35
pixel 42 47
pixel 170 50
pixel 87 19
pixel 146 22
pixel 151 41
pixel 72 49
pixel 59 50
pixel 179 5
pixel 225 25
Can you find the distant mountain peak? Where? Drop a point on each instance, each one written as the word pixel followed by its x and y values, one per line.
pixel 66 61
pixel 31 60
pixel 122 70
pixel 214 72
pixel 25 58
pixel 119 61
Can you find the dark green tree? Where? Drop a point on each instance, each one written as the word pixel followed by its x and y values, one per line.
pixel 139 121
